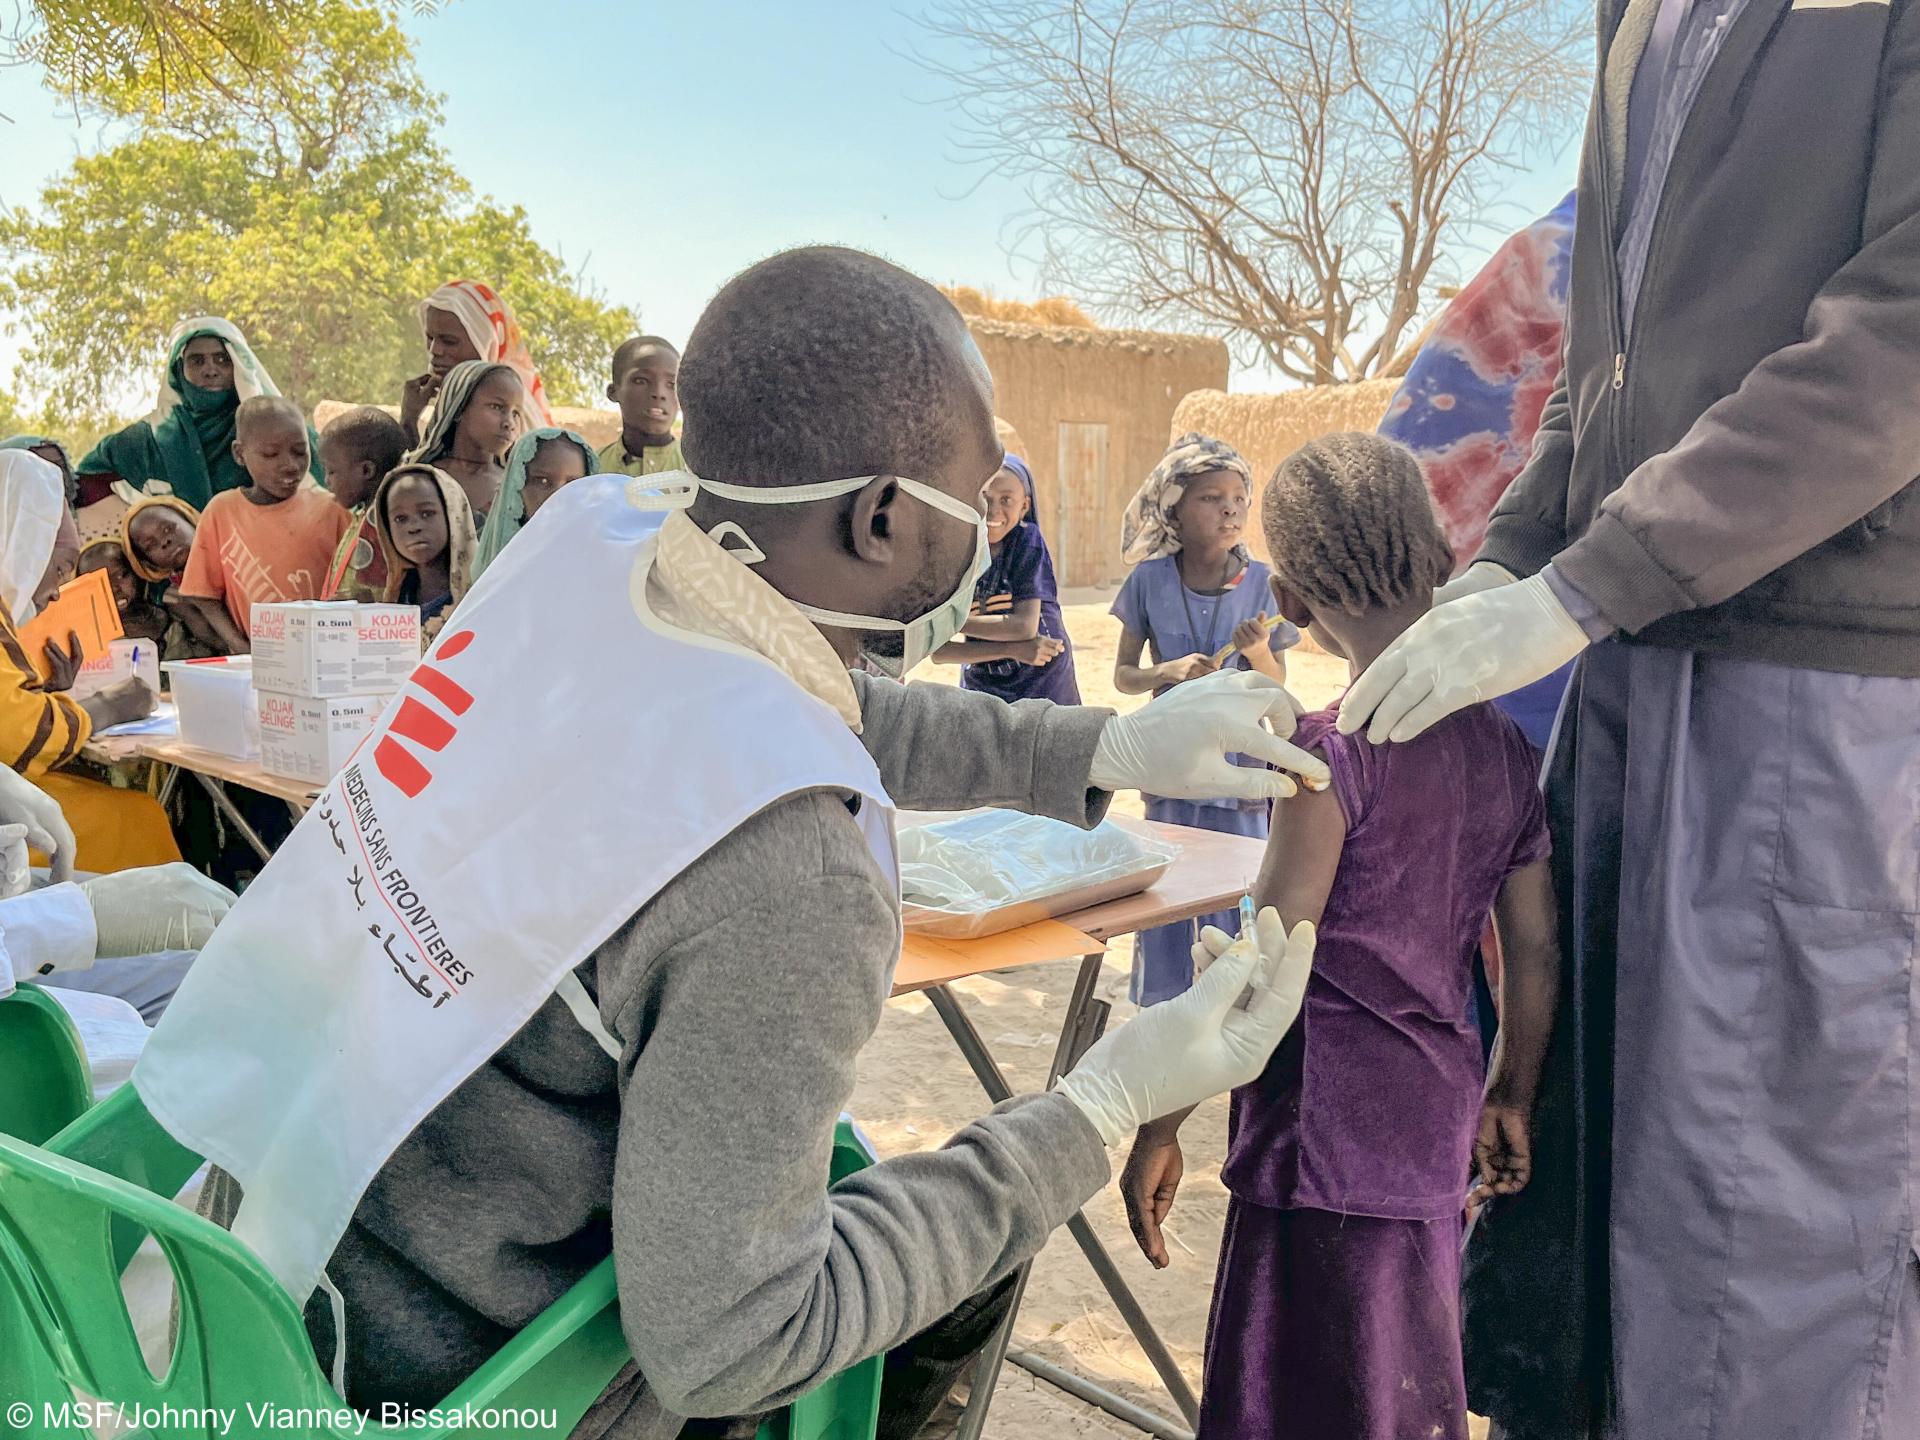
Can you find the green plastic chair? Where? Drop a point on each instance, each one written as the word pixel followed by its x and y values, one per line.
pixel 44 1083
pixel 73 1213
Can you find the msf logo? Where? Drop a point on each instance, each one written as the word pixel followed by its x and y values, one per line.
pixel 421 723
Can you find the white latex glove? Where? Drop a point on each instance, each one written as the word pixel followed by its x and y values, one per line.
pixel 1476 648
pixel 24 803
pixel 1481 575
pixel 16 876
pixel 1177 745
pixel 164 907
pixel 1203 1043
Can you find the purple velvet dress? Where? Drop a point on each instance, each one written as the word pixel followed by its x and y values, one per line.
pixel 1177 621
pixel 1336 1309
pixel 1022 569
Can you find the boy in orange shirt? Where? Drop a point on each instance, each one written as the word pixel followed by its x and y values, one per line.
pixel 270 541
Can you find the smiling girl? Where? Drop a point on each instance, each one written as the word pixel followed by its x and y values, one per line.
pixel 1016 645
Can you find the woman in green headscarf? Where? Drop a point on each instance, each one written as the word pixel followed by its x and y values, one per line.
pixel 187 442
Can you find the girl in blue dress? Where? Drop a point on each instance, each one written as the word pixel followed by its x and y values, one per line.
pixel 1197 602
pixel 1016 645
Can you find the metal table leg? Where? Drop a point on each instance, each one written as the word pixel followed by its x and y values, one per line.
pixel 1085 1017
pixel 217 793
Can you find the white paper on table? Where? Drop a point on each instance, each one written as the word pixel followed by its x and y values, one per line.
pixel 164 721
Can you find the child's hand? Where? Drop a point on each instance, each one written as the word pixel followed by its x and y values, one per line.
pixel 1040 650
pixel 1188 667
pixel 1148 1184
pixel 1252 636
pixel 63 665
pixel 1502 1151
pixel 415 396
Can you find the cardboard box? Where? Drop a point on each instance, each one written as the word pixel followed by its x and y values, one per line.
pixel 124 660
pixel 388 647
pixel 310 738
pixel 305 648
pixel 334 648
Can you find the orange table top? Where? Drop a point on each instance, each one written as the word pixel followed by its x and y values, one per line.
pixel 1211 873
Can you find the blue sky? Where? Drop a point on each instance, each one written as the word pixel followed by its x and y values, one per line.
pixel 661 148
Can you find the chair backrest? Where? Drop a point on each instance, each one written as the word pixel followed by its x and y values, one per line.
pixel 240 1337
pixel 44 1083
pixel 72 1214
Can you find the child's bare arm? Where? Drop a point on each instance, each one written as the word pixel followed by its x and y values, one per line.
pixel 1021 623
pixel 1529 991
pixel 209 619
pixel 1130 677
pixel 1303 855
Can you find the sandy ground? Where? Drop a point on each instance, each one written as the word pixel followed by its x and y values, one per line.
pixel 914 1090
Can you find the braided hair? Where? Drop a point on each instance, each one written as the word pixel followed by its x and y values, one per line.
pixel 1351 527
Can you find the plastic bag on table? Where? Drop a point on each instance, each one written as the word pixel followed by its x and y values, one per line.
pixel 992 870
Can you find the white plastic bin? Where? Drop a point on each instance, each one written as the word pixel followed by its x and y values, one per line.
pixel 215 699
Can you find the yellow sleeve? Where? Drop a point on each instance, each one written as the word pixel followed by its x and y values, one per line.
pixel 38 731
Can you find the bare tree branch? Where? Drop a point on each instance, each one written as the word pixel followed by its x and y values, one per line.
pixel 1289 173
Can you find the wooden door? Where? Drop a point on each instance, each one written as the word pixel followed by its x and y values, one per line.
pixel 1079 533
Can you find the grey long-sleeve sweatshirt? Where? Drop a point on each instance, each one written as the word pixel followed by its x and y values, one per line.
pixel 740 996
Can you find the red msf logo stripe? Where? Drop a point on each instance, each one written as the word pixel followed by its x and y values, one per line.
pixel 421 724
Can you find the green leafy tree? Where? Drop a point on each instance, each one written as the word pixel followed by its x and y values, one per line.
pixel 310 204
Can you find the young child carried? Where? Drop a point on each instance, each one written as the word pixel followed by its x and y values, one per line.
pixel 1200 603
pixel 426 532
pixel 357 451
pixel 1016 645
pixel 1336 1309
pixel 270 541
pixel 646 387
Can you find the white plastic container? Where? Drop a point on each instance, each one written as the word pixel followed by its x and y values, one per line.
pixel 124 660
pixel 310 739
pixel 215 701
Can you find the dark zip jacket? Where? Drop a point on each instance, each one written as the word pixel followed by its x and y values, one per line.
pixel 1738 477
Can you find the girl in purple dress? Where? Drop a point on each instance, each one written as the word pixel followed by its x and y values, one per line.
pixel 1336 1310
pixel 1016 645
pixel 1197 602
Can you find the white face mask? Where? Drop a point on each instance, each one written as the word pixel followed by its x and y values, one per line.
pixel 922 635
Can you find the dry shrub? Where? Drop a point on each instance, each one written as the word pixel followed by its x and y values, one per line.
pixel 1053 310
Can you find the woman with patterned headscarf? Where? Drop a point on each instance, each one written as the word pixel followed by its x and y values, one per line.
pixel 1199 603
pixel 468 320
pixel 186 444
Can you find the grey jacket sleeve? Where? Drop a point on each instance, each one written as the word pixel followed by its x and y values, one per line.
pixel 942 748
pixel 1529 525
pixel 743 1281
pixel 1736 498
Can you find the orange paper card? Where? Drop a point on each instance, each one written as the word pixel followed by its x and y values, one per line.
pixel 926 962
pixel 85 607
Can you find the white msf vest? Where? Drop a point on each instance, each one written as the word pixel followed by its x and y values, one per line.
pixel 552 765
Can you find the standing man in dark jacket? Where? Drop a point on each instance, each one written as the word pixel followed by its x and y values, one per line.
pixel 1720 519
